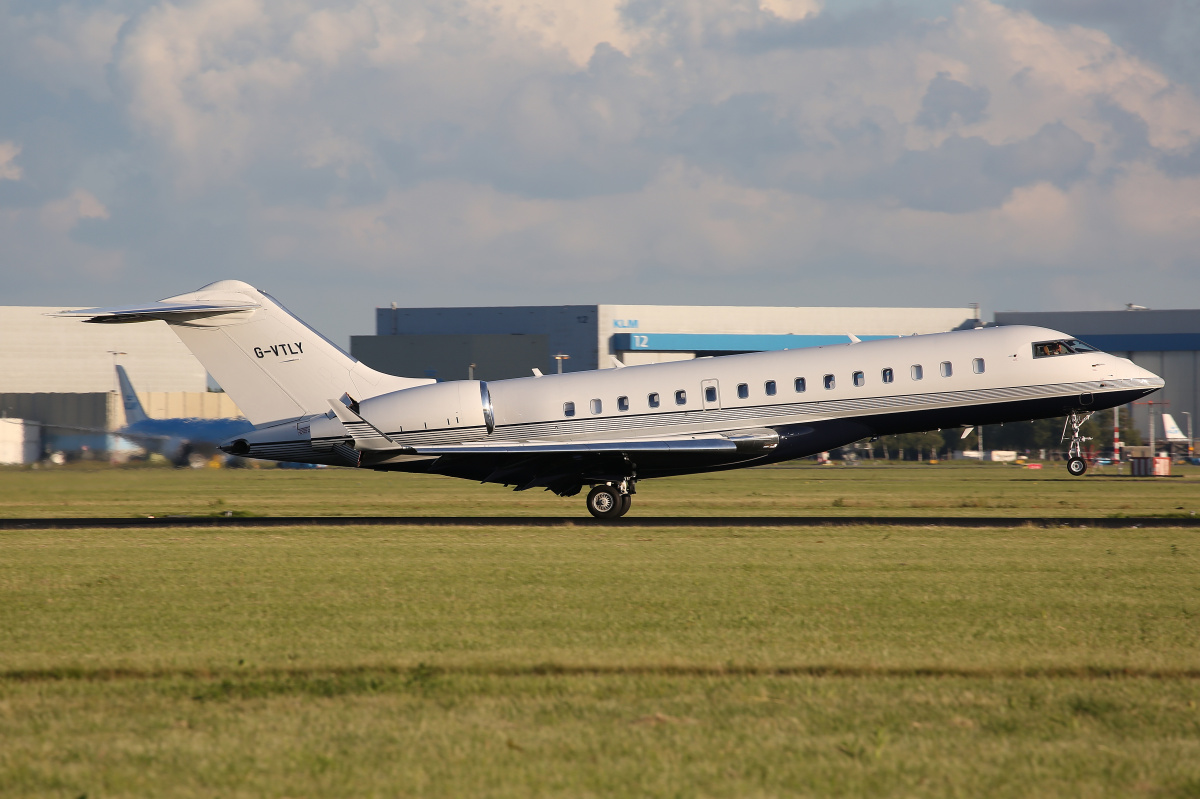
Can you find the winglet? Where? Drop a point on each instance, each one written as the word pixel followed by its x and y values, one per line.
pixel 616 362
pixel 537 372
pixel 854 339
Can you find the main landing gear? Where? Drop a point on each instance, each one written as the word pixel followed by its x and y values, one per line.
pixel 610 500
pixel 1076 465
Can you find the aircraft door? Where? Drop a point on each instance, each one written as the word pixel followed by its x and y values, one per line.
pixel 710 394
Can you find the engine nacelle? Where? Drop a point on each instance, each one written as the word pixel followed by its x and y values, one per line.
pixel 441 406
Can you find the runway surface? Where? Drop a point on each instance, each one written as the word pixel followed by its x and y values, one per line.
pixel 584 521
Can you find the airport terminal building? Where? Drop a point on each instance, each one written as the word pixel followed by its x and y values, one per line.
pixel 502 342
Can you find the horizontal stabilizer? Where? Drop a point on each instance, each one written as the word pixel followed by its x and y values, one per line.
pixel 158 310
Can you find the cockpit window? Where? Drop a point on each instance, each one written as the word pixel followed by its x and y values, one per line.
pixel 1069 346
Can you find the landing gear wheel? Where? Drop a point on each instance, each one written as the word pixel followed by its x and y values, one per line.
pixel 605 502
pixel 1076 465
pixel 626 501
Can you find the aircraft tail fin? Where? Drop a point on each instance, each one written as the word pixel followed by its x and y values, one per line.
pixel 134 412
pixel 269 362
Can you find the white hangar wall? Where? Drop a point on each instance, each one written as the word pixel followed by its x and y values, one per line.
pixel 42 354
pixel 60 373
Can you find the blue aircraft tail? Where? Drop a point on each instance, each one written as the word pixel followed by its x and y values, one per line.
pixel 134 412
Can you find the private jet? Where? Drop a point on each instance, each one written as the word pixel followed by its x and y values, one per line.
pixel 608 429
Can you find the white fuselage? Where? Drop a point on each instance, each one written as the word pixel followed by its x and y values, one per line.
pixel 822 397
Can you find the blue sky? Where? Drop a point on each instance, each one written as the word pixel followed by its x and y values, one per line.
pixel 1033 154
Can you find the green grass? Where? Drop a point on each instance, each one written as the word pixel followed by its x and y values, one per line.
pixel 580 661
pixel 899 490
pixel 942 597
pixel 587 736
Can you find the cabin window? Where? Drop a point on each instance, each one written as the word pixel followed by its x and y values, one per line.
pixel 710 393
pixel 681 397
pixel 743 391
pixel 622 403
pixel 888 375
pixel 829 381
pixel 653 399
pixel 977 366
pixel 860 380
pixel 596 406
pixel 769 387
pixel 800 385
pixel 947 369
pixel 916 371
pixel 568 409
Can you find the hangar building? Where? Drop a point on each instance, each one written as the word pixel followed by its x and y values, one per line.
pixel 509 342
pixel 1165 342
pixel 61 372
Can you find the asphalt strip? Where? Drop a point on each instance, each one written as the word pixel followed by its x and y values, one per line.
pixel 576 521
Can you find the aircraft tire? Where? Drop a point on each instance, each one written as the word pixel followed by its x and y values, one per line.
pixel 626 503
pixel 604 502
pixel 1076 466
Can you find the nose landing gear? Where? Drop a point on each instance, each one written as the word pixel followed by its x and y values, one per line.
pixel 1076 465
pixel 610 500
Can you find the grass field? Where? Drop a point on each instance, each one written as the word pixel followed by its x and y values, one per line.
pixel 395 661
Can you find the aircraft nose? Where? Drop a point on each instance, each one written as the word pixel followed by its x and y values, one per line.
pixel 1145 377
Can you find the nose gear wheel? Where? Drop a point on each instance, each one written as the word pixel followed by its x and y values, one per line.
pixel 1076 465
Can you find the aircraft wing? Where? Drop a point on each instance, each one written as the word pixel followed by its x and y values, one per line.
pixel 565 466
pixel 730 442
pixel 98 431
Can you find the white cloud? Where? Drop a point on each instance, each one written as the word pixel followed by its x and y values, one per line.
pixel 64 214
pixel 9 170
pixel 551 151
pixel 791 9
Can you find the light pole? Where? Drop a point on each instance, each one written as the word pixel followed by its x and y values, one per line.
pixel 560 358
pixel 1153 454
pixel 1117 437
pixel 470 371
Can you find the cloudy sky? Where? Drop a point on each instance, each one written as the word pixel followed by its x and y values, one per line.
pixel 1025 154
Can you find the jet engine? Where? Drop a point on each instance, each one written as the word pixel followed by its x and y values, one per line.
pixel 451 407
